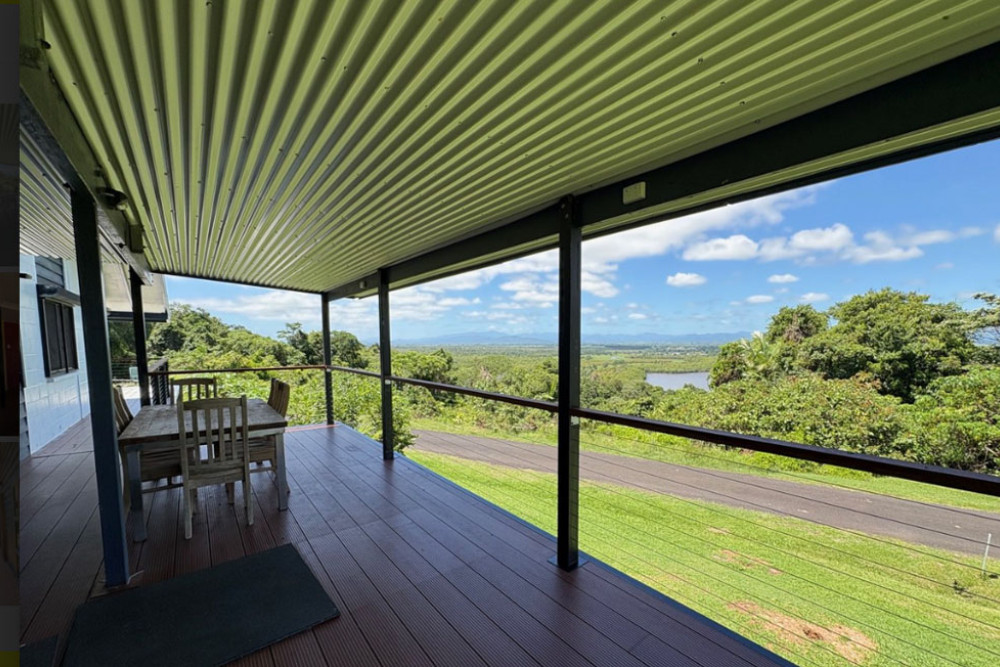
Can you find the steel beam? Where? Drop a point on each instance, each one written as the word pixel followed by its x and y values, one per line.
pixel 139 333
pixel 568 454
pixel 102 414
pixel 327 373
pixel 385 365
pixel 958 88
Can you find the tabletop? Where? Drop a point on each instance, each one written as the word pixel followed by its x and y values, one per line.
pixel 158 423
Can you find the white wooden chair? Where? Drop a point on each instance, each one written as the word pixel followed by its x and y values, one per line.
pixel 214 449
pixel 153 466
pixel 192 389
pixel 263 451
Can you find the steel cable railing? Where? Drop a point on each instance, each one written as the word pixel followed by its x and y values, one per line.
pixel 527 466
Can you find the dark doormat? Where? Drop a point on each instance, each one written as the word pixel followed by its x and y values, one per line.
pixel 209 617
pixel 39 654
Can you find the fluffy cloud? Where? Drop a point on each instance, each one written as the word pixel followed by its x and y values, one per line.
pixel 638 316
pixel 738 246
pixel 818 240
pixel 814 297
pixel 781 278
pixel 529 289
pixel 834 242
pixel 760 298
pixel 686 280
pixel 996 234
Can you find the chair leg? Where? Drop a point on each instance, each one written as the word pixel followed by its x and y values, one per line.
pixel 194 500
pixel 231 492
pixel 187 513
pixel 248 498
pixel 126 487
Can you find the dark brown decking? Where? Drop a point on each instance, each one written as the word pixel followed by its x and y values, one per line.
pixel 424 573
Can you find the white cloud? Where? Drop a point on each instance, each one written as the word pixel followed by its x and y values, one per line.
pixel 837 241
pixel 738 246
pixel 996 234
pixel 881 248
pixel 686 280
pixel 823 239
pixel 458 301
pixel 597 285
pixel 814 297
pixel 781 278
pixel 638 316
pixel 931 237
pixel 760 298
pixel 529 289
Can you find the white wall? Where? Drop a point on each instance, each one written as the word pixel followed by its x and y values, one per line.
pixel 56 403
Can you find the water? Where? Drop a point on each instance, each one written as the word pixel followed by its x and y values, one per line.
pixel 678 380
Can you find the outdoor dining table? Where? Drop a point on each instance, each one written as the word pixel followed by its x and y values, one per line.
pixel 154 428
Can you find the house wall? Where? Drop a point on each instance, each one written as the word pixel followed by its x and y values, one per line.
pixel 52 404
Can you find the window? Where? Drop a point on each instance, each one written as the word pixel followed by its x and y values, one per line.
pixel 59 337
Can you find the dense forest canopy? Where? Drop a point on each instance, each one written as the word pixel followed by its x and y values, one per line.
pixel 885 372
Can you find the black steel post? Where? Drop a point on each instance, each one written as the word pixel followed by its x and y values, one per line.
pixel 385 364
pixel 327 373
pixel 568 486
pixel 139 333
pixel 102 415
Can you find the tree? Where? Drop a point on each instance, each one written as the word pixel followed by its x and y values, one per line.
pixel 899 338
pixel 987 329
pixel 294 336
pixel 754 358
pixel 795 324
pixel 956 423
pixel 730 365
pixel 347 350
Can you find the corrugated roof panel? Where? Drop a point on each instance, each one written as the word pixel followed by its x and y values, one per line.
pixel 306 144
pixel 46 224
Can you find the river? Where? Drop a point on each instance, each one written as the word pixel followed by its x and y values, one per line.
pixel 678 380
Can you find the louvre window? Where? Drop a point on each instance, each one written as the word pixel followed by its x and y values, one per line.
pixel 59 336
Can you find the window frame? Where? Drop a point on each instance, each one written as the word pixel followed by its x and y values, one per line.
pixel 58 337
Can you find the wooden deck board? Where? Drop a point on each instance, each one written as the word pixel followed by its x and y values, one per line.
pixel 424 573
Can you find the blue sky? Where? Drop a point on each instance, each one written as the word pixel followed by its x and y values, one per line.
pixel 931 226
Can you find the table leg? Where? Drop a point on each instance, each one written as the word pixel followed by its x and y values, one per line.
pixel 279 446
pixel 135 489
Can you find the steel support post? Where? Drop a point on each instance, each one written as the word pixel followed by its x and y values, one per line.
pixel 385 364
pixel 102 415
pixel 139 333
pixel 327 373
pixel 568 486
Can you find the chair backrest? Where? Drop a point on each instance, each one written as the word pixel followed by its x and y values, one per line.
pixel 213 435
pixel 123 416
pixel 192 389
pixel 280 393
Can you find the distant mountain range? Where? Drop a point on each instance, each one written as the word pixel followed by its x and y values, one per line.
pixel 496 338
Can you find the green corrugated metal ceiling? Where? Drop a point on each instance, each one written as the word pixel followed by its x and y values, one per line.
pixel 305 144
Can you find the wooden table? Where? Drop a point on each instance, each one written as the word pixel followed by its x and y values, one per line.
pixel 155 428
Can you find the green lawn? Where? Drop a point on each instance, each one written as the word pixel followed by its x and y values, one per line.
pixel 680 451
pixel 814 594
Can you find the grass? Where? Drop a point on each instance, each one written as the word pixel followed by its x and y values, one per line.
pixel 680 451
pixel 811 593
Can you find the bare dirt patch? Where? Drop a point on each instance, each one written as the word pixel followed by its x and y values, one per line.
pixel 746 562
pixel 849 643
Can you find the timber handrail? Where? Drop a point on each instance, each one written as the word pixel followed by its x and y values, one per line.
pixel 537 404
pixel 240 370
pixel 879 465
pixel 355 371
